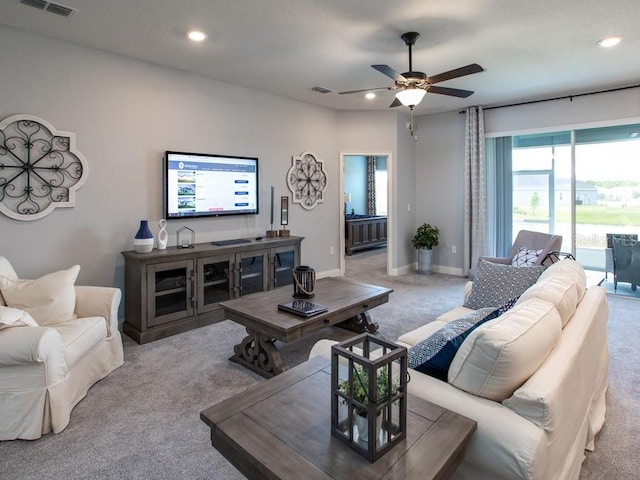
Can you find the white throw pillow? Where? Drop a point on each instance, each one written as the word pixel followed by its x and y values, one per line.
pixel 525 257
pixel 50 299
pixel 6 270
pixel 13 317
pixel 503 353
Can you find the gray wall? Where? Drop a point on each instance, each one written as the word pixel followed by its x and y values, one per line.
pixel 355 182
pixel 126 113
pixel 385 133
pixel 440 154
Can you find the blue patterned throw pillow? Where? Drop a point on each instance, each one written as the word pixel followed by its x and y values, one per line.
pixel 495 283
pixel 434 354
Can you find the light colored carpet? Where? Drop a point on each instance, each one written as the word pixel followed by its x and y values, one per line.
pixel 142 421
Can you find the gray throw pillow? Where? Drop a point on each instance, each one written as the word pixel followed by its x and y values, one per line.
pixel 496 283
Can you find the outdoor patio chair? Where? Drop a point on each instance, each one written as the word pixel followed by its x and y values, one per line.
pixel 626 262
pixel 608 253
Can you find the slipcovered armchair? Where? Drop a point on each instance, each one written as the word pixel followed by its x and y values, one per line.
pixel 56 341
pixel 626 263
pixel 531 247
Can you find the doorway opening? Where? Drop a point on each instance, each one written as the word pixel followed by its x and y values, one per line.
pixel 364 217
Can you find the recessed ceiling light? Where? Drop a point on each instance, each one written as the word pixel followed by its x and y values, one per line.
pixel 196 36
pixel 610 41
pixel 370 95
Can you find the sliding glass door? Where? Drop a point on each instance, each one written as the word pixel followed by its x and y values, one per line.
pixel 581 184
pixel 607 172
pixel 541 184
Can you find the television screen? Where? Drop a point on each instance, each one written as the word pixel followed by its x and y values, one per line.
pixel 200 185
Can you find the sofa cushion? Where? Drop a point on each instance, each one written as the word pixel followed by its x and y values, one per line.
pixel 50 299
pixel 434 354
pixel 499 356
pixel 419 334
pixel 496 284
pixel 14 317
pixel 525 257
pixel 558 290
pixel 570 271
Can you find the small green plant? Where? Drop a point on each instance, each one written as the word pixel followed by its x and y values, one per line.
pixel 360 388
pixel 426 237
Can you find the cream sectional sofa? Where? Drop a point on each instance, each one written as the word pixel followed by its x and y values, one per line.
pixel 534 379
pixel 48 365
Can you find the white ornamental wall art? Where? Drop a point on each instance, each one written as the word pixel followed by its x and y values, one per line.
pixel 40 168
pixel 306 180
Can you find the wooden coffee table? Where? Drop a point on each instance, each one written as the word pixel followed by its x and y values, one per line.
pixel 348 302
pixel 280 429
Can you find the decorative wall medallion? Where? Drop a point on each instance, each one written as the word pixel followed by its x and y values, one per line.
pixel 306 180
pixel 40 168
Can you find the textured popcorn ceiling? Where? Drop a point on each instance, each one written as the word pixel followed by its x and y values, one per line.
pixel 530 49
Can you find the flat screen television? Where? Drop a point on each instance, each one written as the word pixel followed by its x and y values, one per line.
pixel 204 185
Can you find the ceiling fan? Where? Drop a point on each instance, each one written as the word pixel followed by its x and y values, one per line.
pixel 412 86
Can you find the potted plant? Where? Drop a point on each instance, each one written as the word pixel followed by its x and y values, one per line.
pixel 360 392
pixel 425 239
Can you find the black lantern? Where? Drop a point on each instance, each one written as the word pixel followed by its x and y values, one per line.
pixel 369 394
pixel 186 237
pixel 304 282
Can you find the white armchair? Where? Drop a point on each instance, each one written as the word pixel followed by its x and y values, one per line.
pixel 46 370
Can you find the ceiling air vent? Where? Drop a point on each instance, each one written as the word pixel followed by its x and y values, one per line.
pixel 320 89
pixel 49 7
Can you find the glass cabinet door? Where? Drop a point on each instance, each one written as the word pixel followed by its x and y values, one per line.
pixel 170 289
pixel 216 281
pixel 252 272
pixel 284 260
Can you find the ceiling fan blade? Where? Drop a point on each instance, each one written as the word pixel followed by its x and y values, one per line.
pixel 364 90
pixel 452 92
pixel 458 72
pixel 395 103
pixel 389 72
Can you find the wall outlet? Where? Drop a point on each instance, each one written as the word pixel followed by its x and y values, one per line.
pixel 454 249
pixel 332 250
pixel 408 207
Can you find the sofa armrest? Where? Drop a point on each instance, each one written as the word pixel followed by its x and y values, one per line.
pixel 23 346
pixel 99 302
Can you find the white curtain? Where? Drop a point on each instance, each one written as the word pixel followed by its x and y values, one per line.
pixel 475 192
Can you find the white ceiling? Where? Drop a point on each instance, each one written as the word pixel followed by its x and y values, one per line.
pixel 530 49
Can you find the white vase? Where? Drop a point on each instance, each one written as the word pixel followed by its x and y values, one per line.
pixel 425 258
pixel 163 236
pixel 363 426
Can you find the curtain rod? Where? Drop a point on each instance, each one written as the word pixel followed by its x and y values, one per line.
pixel 570 97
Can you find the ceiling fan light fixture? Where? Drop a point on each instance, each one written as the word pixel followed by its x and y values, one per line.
pixel 197 36
pixel 611 41
pixel 410 97
pixel 369 95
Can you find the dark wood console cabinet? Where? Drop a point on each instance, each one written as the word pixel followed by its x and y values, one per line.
pixel 174 290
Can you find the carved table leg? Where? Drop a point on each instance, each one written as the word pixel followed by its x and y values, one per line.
pixel 257 352
pixel 360 324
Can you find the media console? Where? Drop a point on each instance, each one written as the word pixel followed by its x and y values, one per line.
pixel 174 290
